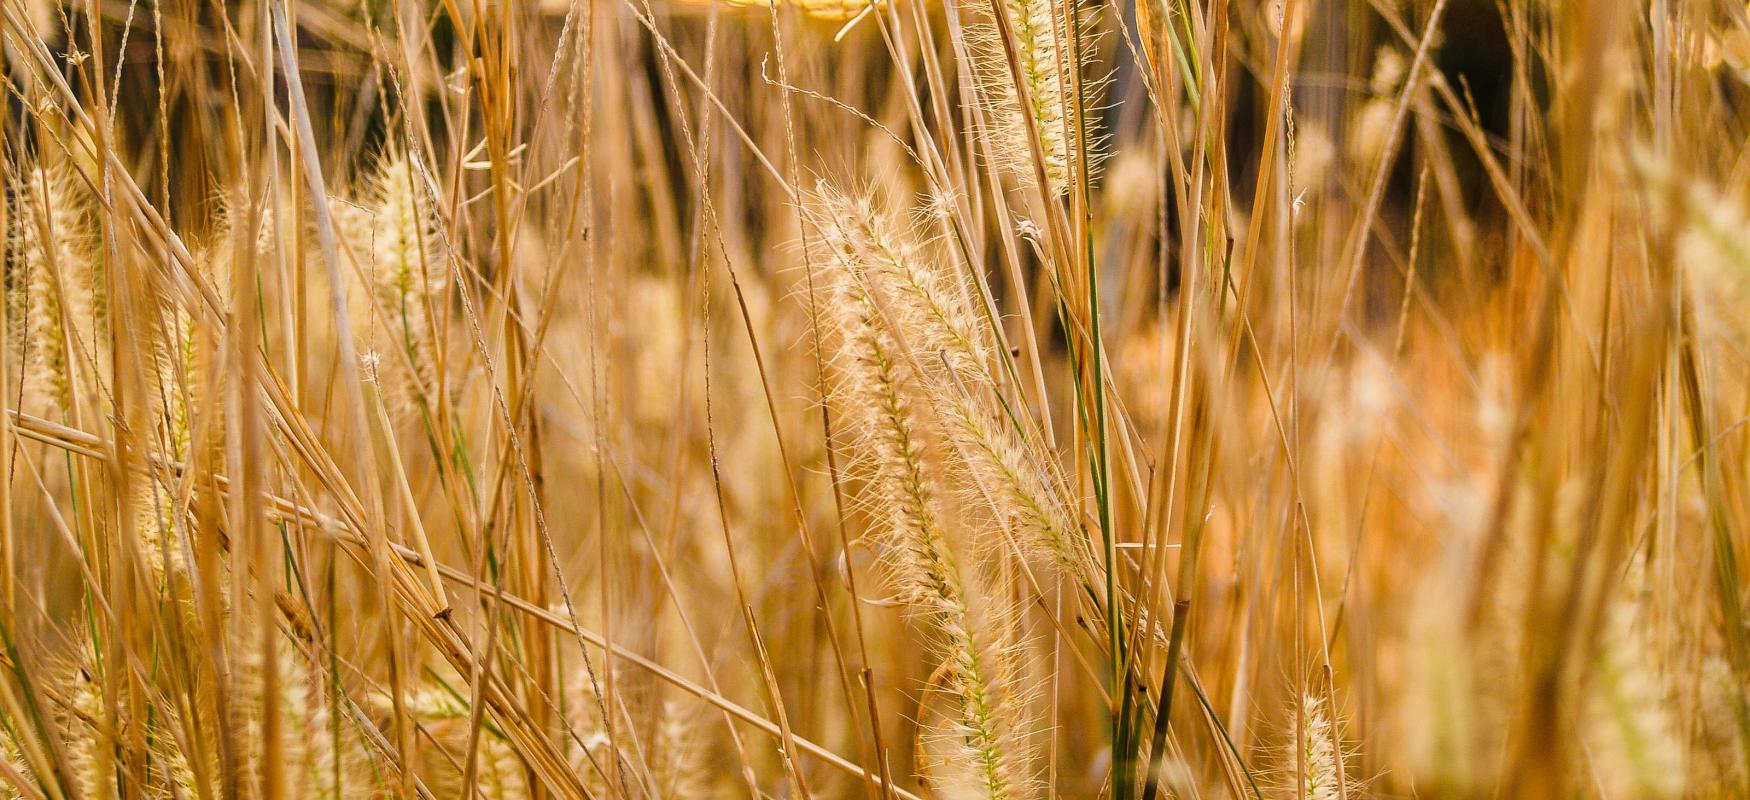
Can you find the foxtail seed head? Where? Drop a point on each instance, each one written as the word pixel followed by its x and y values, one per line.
pixel 63 293
pixel 394 234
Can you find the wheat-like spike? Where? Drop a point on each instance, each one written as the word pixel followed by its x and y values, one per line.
pixel 317 763
pixel 927 563
pixel 82 724
pixel 319 758
pixel 1042 54
pixel 668 753
pixel 1630 731
pixel 155 508
pixel 155 518
pixel 1314 754
pixel 444 720
pixel 1715 747
pixel 63 297
pixel 12 753
pixel 931 299
pixel 1707 227
pixel 76 723
pixel 181 376
pixel 584 715
pixel 394 234
pixel 1011 477
pixel 937 309
pixel 676 757
pixel 925 566
pixel 1040 51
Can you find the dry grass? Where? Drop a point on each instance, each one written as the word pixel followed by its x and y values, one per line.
pixel 1003 399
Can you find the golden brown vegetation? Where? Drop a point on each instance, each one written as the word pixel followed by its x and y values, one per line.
pixel 730 398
